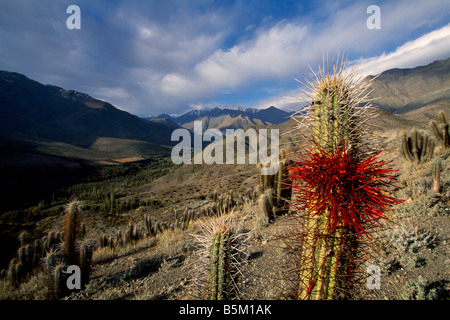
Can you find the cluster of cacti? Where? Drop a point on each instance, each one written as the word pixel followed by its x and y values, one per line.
pixel 417 147
pixel 222 250
pixel 223 204
pixel 441 131
pixel 111 204
pixel 133 233
pixel 187 217
pixel 339 187
pixel 30 255
pixel 54 252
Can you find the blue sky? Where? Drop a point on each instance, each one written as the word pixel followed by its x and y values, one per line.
pixel 152 57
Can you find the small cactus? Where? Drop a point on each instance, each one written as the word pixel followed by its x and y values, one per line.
pixel 436 173
pixel 23 237
pixel 50 260
pixel 58 280
pixel 12 273
pixel 149 226
pixel 276 183
pixel 86 249
pixel 441 132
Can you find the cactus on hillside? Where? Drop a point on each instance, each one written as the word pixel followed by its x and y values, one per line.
pixel 222 250
pixel 86 249
pixel 436 173
pixel 279 193
pixel 441 132
pixel 220 266
pixel 339 185
pixel 71 227
pixel 418 147
pixel 58 280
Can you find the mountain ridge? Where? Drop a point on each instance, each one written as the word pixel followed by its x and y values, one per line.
pixel 228 118
pixel 403 90
pixel 44 114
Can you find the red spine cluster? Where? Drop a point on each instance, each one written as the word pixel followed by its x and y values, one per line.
pixel 352 191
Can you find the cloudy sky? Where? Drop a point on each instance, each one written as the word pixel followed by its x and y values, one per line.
pixel 164 56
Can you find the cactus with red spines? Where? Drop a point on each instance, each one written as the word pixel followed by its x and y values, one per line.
pixel 339 183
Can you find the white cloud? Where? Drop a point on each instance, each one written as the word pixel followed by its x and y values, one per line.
pixel 432 46
pixel 285 50
pixel 273 53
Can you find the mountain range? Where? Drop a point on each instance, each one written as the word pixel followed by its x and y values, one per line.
pixel 400 91
pixel 228 118
pixel 65 123
pixel 62 122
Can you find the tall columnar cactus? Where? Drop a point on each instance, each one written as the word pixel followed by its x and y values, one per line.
pixel 441 132
pixel 71 229
pixel 338 184
pixel 418 147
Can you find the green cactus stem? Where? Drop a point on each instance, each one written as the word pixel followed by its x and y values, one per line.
pixel 220 268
